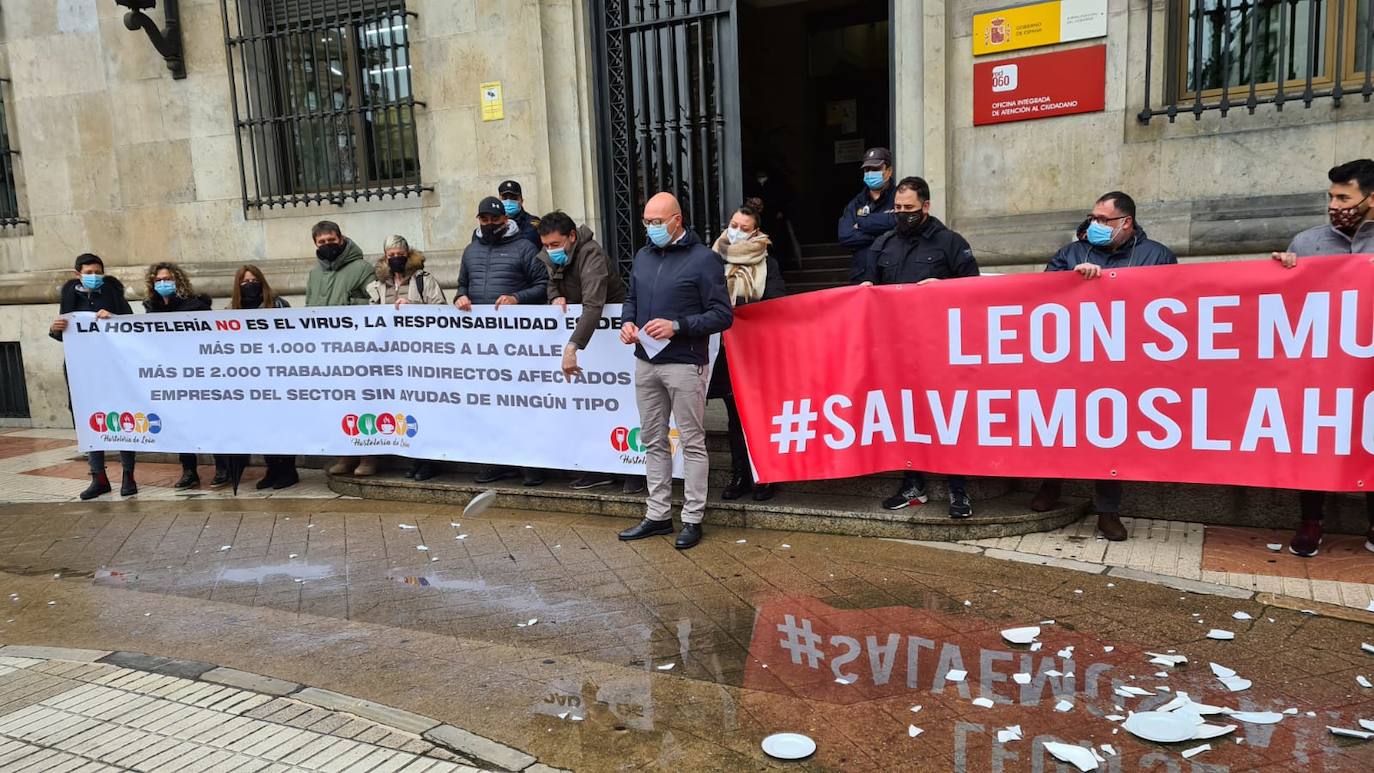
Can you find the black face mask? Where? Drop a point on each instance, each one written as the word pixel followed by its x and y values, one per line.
pixel 397 265
pixel 908 223
pixel 250 295
pixel 329 252
pixel 492 230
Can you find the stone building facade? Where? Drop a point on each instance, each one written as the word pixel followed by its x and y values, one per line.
pixel 118 157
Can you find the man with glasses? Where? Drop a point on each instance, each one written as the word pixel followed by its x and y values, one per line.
pixel 1109 239
pixel 676 302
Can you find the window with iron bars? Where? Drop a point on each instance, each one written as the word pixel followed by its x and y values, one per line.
pixel 323 107
pixel 1229 54
pixel 9 192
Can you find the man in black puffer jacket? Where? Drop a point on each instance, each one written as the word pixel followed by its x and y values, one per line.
pixel 501 267
pixel 676 302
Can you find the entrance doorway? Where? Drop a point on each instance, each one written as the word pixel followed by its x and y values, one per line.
pixel 814 85
pixel 716 100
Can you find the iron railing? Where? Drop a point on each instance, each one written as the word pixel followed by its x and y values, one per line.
pixel 1229 54
pixel 14 394
pixel 9 192
pixel 668 108
pixel 323 107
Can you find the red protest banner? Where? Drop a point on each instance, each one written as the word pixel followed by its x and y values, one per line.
pixel 1241 373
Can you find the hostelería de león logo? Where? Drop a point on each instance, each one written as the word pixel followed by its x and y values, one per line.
pixel 380 429
pixel 629 441
pixel 126 426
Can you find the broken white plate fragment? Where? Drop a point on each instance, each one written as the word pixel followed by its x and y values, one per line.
pixel 1077 756
pixel 405 526
pixel 913 731
pixel 1348 733
pixel 1367 647
pixel 666 667
pixel 1010 733
pixel 1257 717
pixel 1206 731
pixel 1236 683
pixel 1221 671
pixel 1021 678
pixel 1242 616
pixel 1024 635
pixel 1217 633
pixel 1196 750
pixel 1063 705
pixel 1167 660
pixel 956 675
pixel 1363 681
pixel 1275 546
pixel 983 702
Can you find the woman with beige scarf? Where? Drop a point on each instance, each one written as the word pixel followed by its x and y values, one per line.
pixel 751 274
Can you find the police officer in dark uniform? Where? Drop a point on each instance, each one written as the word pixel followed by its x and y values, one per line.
pixel 514 202
pixel 920 250
pixel 869 214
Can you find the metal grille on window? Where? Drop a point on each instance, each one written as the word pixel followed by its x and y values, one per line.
pixel 9 192
pixel 14 395
pixel 668 111
pixel 323 106
pixel 1229 54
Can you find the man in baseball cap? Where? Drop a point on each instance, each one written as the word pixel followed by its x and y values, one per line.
pixel 869 214
pixel 501 268
pixel 513 200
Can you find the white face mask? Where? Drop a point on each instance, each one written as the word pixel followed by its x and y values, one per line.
pixel 735 235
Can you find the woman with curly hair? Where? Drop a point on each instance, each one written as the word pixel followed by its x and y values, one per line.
pixel 167 288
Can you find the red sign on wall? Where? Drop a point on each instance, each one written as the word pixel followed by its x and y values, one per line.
pixel 1040 86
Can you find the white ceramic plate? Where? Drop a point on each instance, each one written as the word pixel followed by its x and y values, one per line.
pixel 1021 635
pixel 788 746
pixel 480 503
pixel 1160 726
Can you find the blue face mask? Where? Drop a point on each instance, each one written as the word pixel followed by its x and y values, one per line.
pixel 874 180
pixel 165 287
pixel 512 207
pixel 92 281
pixel 658 234
pixel 558 257
pixel 1100 235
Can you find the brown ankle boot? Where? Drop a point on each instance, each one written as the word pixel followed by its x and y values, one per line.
pixel 1111 527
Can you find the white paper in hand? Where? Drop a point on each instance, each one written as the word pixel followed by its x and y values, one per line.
pixel 652 346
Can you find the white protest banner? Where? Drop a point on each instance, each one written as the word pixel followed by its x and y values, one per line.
pixel 427 382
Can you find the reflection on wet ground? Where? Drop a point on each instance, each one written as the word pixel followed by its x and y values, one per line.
pixel 837 637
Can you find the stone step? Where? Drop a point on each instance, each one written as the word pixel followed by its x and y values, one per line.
pixel 1001 516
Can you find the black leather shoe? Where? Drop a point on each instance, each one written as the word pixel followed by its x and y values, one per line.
pixel 189 479
pixel 128 487
pixel 634 484
pixel 269 478
pixel 738 486
pixel 646 528
pixel 688 537
pixel 424 471
pixel 764 492
pixel 532 476
pixel 221 478
pixel 286 478
pixel 493 474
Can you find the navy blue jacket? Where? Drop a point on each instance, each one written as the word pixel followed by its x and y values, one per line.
pixel 862 221
pixel 682 282
pixel 529 225
pixel 935 252
pixel 508 265
pixel 1139 250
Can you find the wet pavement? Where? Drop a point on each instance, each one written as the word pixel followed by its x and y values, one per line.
pixel 543 631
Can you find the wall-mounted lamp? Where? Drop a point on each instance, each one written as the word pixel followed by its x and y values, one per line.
pixel 167 41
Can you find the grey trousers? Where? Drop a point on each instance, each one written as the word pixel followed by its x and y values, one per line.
pixel 678 391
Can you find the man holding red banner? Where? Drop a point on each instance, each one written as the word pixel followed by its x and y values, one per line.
pixel 920 250
pixel 1113 239
pixel 1350 231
